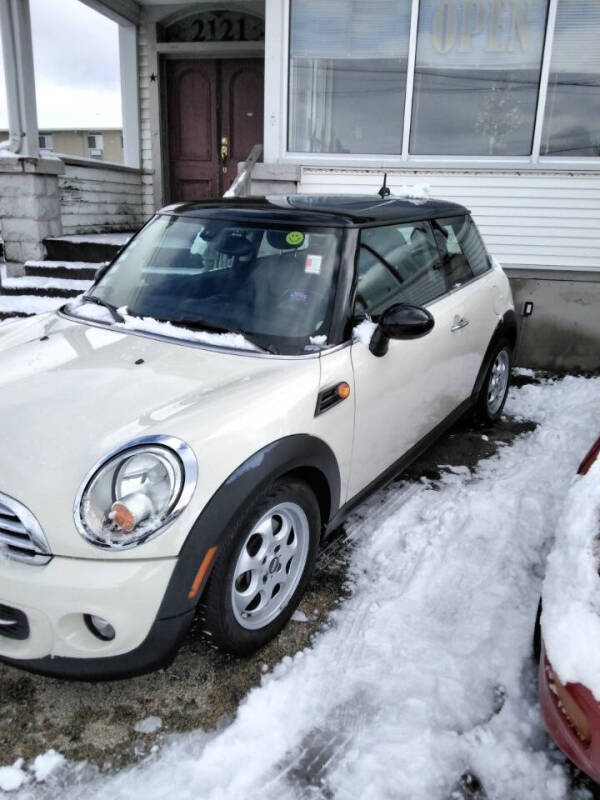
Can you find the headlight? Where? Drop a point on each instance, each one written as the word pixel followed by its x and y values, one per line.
pixel 134 493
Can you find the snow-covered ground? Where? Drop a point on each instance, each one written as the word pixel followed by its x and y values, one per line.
pixel 425 672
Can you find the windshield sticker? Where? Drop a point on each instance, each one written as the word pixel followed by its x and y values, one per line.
pixel 298 297
pixel 294 238
pixel 313 264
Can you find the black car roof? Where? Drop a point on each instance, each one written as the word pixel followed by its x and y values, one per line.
pixel 316 209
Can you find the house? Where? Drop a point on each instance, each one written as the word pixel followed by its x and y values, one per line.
pixel 99 144
pixel 493 103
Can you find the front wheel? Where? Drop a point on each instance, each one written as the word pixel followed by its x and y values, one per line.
pixel 495 385
pixel 262 568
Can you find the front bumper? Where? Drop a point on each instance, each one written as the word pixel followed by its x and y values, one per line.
pixel 585 754
pixel 55 599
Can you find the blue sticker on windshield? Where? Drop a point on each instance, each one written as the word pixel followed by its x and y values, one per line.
pixel 298 297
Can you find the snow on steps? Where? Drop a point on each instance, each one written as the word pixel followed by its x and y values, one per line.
pixel 33 294
pixel 69 271
pixel 90 247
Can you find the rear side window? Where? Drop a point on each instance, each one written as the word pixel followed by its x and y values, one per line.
pixel 464 238
pixel 398 264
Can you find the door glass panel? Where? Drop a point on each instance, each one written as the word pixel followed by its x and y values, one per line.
pixel 347 75
pixel 448 235
pixel 463 232
pixel 476 76
pixel 572 114
pixel 398 264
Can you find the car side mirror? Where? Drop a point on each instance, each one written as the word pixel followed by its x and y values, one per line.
pixel 400 321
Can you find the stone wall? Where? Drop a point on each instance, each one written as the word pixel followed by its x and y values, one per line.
pixel 29 205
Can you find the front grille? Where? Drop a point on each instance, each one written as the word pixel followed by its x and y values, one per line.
pixel 21 537
pixel 13 623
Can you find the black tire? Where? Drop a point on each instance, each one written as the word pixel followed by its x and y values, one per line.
pixel 220 620
pixel 485 412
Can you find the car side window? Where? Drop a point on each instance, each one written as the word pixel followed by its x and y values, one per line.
pixel 464 238
pixel 397 264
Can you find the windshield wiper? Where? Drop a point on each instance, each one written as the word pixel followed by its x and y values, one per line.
pixel 213 327
pixel 92 298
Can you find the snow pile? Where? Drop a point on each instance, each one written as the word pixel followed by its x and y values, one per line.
pixel 364 331
pixel 12 778
pixel 149 325
pixel 42 767
pixel 148 725
pixel 571 595
pixel 96 313
pixel 426 670
pixel 415 194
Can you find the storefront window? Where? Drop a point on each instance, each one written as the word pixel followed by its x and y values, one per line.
pixel 572 114
pixel 348 63
pixel 477 76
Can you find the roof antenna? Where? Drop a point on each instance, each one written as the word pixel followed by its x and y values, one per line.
pixel 384 191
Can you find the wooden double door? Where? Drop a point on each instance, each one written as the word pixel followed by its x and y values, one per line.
pixel 215 117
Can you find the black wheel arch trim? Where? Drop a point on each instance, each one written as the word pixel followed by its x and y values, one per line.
pixel 305 455
pixel 506 329
pixel 308 456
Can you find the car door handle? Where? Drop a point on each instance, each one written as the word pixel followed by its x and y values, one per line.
pixel 459 322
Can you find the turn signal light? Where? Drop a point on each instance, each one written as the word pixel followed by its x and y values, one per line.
pixel 130 511
pixel 343 390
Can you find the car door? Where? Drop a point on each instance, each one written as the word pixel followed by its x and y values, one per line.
pixel 403 396
pixel 399 397
pixel 473 296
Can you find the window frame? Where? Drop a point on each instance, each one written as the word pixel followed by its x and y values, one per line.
pixel 277 45
pixel 429 223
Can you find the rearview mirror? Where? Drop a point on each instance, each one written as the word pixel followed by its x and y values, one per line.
pixel 400 321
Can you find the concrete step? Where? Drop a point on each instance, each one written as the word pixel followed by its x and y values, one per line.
pixel 65 270
pixel 26 294
pixel 90 247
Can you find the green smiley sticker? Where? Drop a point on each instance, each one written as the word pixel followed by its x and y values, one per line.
pixel 295 238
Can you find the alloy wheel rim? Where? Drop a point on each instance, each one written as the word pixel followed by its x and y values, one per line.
pixel 270 565
pixel 498 382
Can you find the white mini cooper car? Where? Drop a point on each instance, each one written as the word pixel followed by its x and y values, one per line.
pixel 238 378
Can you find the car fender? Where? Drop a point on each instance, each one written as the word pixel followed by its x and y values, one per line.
pixel 308 456
pixel 506 329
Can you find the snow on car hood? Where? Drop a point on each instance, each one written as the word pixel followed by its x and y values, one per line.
pixel 70 393
pixel 571 594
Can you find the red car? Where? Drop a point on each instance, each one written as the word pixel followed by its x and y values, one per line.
pixel 571 714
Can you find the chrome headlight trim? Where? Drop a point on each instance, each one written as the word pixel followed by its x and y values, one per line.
pixel 190 479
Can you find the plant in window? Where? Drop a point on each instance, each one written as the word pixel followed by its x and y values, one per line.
pixel 499 115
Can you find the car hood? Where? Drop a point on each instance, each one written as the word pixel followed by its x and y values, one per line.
pixel 70 393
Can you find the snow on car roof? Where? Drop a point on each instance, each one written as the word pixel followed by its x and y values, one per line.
pixel 333 210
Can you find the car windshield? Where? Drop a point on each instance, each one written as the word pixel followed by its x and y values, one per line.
pixel 275 285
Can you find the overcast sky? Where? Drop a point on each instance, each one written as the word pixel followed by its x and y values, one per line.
pixel 76 57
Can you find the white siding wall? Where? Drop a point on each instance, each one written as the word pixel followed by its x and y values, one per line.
pixel 528 219
pixel 98 199
pixel 145 70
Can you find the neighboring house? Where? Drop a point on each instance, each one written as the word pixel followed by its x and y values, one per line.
pixel 99 144
pixel 494 103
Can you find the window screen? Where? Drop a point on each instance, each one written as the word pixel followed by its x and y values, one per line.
pixel 347 75
pixel 572 114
